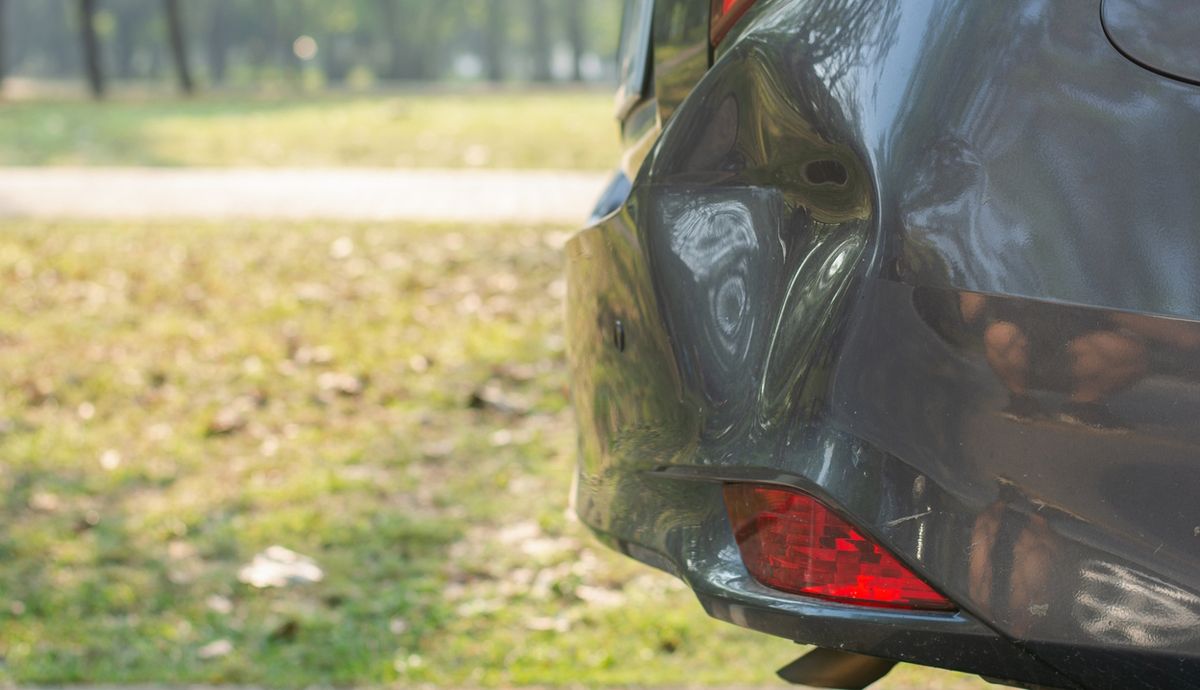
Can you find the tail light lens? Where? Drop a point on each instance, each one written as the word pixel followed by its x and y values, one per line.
pixel 725 14
pixel 791 542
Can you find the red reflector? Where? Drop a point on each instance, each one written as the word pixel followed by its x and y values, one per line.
pixel 791 542
pixel 725 14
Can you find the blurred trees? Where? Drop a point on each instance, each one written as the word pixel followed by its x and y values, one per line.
pixel 307 42
pixel 179 53
pixel 540 44
pixel 91 47
pixel 3 43
pixel 494 40
pixel 575 37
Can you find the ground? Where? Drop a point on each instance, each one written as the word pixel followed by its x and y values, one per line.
pixel 348 194
pixel 567 129
pixel 386 399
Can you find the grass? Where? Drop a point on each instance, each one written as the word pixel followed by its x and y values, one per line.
pixel 388 400
pixel 506 129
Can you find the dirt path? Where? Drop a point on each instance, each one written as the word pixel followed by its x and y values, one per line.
pixel 326 193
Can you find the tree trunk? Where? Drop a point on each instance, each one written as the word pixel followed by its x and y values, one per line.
pixel 91 48
pixel 179 54
pixel 218 42
pixel 333 62
pixel 541 40
pixel 3 42
pixel 575 34
pixel 126 38
pixel 493 41
pixel 266 33
pixel 423 43
pixel 389 17
pixel 154 68
pixel 289 24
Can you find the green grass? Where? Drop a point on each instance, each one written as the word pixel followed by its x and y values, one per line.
pixel 517 129
pixel 179 397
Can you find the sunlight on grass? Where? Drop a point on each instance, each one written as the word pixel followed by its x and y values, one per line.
pixel 553 130
pixel 388 400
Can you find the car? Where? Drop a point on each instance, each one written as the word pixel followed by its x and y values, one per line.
pixel 885 336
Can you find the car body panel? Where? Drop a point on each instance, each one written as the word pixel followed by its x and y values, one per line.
pixel 812 273
pixel 1159 35
pixel 633 55
pixel 681 52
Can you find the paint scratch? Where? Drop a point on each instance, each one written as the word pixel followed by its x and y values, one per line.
pixel 897 521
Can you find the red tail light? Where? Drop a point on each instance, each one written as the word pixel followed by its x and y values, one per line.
pixel 791 542
pixel 725 14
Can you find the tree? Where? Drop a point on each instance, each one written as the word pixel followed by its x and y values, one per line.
pixel 540 43
pixel 575 35
pixel 494 40
pixel 3 42
pixel 91 48
pixel 289 26
pixel 217 48
pixel 110 41
pixel 179 56
pixel 415 35
pixel 126 39
pixel 390 21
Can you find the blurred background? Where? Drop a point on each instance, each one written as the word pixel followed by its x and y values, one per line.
pixel 282 392
pixel 308 44
pixel 309 82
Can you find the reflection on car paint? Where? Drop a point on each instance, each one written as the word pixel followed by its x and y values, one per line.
pixel 1120 605
pixel 716 243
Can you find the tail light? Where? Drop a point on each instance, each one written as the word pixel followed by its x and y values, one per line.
pixel 725 14
pixel 791 542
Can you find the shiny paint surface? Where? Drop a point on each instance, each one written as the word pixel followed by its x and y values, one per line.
pixel 633 54
pixel 1160 35
pixel 680 51
pixel 936 262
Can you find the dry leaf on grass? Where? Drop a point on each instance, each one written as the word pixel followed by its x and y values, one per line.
pixel 278 566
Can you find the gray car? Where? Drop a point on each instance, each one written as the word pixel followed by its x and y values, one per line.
pixel 885 338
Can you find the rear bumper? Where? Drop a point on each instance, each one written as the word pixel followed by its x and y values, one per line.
pixel 699 549
pixel 651 470
pixel 877 397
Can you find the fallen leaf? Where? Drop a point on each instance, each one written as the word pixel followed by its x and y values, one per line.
pixel 340 383
pixel 219 604
pixel 44 502
pixel 286 632
pixel 110 459
pixel 548 623
pixel 232 417
pixel 215 649
pixel 278 566
pixel 599 596
pixel 438 449
pixel 87 521
pixel 86 410
pixel 179 550
pixel 320 354
pixel 39 391
pixel 341 248
pixel 492 397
